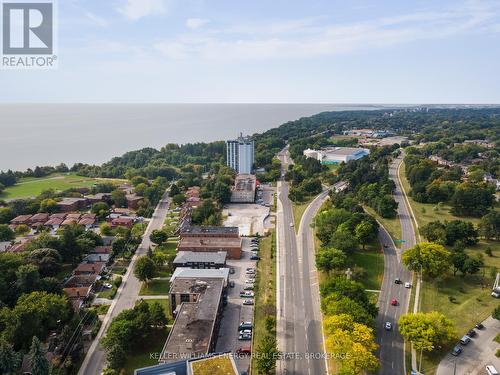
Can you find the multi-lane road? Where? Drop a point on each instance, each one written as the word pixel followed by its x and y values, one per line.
pixel 391 351
pixel 127 294
pixel 299 316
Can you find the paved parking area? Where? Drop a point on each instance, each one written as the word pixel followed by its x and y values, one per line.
pixel 248 217
pixel 476 355
pixel 235 312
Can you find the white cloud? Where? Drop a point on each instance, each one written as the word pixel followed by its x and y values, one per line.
pixel 99 21
pixel 196 23
pixel 135 9
pixel 311 38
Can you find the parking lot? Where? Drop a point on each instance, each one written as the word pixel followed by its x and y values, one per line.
pixel 251 218
pixel 235 312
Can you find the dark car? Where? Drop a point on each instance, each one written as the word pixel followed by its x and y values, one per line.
pixel 232 270
pixel 471 333
pixel 479 325
pixel 456 350
pixel 398 281
pixel 231 284
pixel 255 257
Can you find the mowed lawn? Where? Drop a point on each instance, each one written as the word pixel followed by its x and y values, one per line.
pixel 372 261
pixel 148 352
pixel 31 187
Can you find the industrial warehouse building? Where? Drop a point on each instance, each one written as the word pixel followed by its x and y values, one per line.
pixel 337 155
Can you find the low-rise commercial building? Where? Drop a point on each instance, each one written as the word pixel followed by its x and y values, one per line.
pixel 197 260
pixel 197 306
pixel 212 244
pixel 243 190
pixel 210 231
pixel 337 155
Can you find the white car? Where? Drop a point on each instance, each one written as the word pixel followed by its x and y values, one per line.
pixel 107 285
pixel 388 326
pixel 407 285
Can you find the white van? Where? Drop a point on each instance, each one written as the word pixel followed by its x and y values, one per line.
pixel 491 370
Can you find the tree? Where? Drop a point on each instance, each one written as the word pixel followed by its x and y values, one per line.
pixel 459 230
pixel 158 236
pixel 6 234
pixel 157 314
pixel 472 199
pixel 6 215
pixel 426 329
pixel 330 259
pixel 39 365
pixel 145 269
pixel 357 341
pixel 100 209
pixel 496 313
pixel 174 190
pixel 343 240
pixel 386 206
pixel 47 260
pixel 48 205
pixel 118 197
pixel 365 232
pixel 10 360
pixel 431 258
pixel 335 304
pixel 28 278
pixel 267 355
pixel 489 227
pixel 435 231
pixel 35 314
pixel 178 199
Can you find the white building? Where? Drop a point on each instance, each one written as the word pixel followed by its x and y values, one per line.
pixel 240 154
pixel 337 155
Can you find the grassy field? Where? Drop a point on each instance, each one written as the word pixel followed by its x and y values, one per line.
pixel 298 211
pixel 31 187
pixel 465 300
pixel 265 292
pixel 141 357
pixel 156 287
pixel 372 261
pixel 393 226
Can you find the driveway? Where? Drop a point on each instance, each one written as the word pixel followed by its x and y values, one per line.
pixel 476 354
pixel 235 312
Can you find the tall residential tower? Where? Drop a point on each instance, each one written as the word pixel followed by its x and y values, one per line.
pixel 240 154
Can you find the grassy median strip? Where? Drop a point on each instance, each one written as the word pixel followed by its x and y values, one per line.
pixel 265 294
pixel 298 210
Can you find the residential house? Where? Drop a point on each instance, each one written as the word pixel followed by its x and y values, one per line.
pixel 90 268
pixel 72 204
pixel 133 201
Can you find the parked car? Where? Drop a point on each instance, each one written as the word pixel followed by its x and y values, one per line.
pixel 479 325
pixel 232 270
pixel 407 285
pixel 244 350
pixel 250 272
pixel 456 350
pixel 250 280
pixel 398 281
pixel 394 302
pixel 248 287
pixel 247 294
pixel 491 370
pixel 248 302
pixel 388 326
pixel 471 333
pixel 231 284
pixel 246 324
pixel 245 337
pixel 107 285
pixel 465 340
pixel 255 257
pixel 291 224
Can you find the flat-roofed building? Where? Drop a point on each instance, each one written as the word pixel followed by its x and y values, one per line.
pixel 243 190
pixel 212 244
pixel 191 259
pixel 197 304
pixel 215 364
pixel 196 273
pixel 210 231
pixel 72 204
pixel 337 155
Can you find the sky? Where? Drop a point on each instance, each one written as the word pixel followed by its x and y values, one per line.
pixel 261 51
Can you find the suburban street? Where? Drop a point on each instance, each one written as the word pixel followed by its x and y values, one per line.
pixel 299 318
pixel 127 294
pixel 391 351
